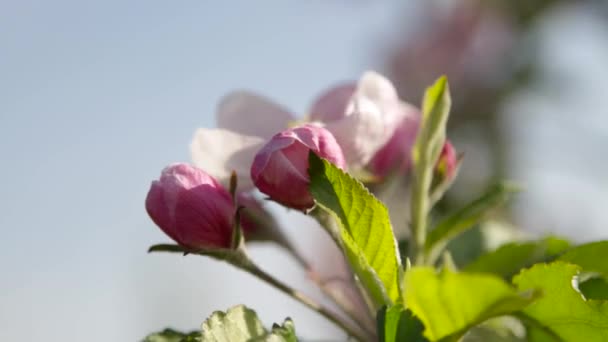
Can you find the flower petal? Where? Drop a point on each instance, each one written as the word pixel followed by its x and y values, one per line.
pixel 219 152
pixel 377 88
pixel 360 133
pixel 251 114
pixel 331 105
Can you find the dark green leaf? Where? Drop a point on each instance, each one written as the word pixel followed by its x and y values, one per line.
pixel 170 335
pixel 398 324
pixel 510 258
pixel 592 257
pixel 594 288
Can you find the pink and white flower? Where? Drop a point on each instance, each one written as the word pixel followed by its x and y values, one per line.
pixel 362 117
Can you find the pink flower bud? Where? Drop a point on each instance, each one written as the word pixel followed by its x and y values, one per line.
pixel 445 170
pixel 191 207
pixel 280 169
pixel 396 154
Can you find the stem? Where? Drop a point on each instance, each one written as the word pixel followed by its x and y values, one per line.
pixel 327 223
pixel 420 211
pixel 331 227
pixel 348 310
pixel 250 267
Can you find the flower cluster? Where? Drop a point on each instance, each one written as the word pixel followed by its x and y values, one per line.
pixel 362 127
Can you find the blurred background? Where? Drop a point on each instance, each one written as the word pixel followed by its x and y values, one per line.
pixel 97 97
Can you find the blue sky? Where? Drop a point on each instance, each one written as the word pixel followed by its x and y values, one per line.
pixel 97 97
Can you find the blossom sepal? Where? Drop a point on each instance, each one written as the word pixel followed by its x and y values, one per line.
pixel 445 172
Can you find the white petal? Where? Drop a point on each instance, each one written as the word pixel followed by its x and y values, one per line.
pixel 219 152
pixel 361 133
pixel 376 88
pixel 251 114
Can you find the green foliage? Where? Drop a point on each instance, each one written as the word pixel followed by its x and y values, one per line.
pixel 449 303
pixel 365 231
pixel 562 301
pixel 241 324
pixel 399 324
pixel 466 218
pixel 510 258
pixel 591 257
pixel 562 311
pixel 170 335
pixel 429 142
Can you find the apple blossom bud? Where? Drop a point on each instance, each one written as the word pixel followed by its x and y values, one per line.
pixel 445 169
pixel 191 207
pixel 280 169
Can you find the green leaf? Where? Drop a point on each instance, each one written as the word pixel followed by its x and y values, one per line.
pixel 241 324
pixel 364 229
pixel 594 288
pixel 435 110
pixel 398 324
pixel 591 257
pixel 562 309
pixel 499 329
pixel 450 303
pixel 170 335
pixel 427 148
pixel 287 331
pixel 466 218
pixel 510 258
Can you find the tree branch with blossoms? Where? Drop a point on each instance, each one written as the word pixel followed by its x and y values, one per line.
pixel 360 151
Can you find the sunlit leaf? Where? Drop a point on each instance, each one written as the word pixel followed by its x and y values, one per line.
pixel 241 324
pixel 364 229
pixel 562 309
pixel 450 303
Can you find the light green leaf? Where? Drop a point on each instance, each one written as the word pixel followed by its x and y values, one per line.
pixel 170 335
pixel 398 324
pixel 427 148
pixel 287 332
pixel 591 257
pixel 450 303
pixel 241 324
pixel 510 258
pixel 364 229
pixel 466 218
pixel 562 309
